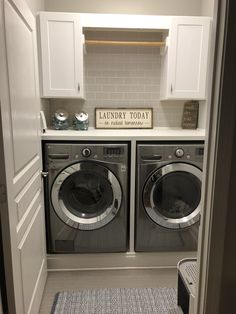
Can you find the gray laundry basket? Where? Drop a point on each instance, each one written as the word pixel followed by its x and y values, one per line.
pixel 187 280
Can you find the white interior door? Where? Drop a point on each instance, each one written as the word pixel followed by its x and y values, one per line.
pixel 23 218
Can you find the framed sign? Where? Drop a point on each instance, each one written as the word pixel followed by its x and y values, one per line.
pixel 111 118
pixel 190 115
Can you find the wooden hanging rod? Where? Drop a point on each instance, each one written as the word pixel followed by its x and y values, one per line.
pixel 125 43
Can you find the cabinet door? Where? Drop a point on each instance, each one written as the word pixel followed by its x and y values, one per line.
pixel 188 58
pixel 62 55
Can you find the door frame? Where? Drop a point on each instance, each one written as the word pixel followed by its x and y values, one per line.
pixel 8 303
pixel 4 208
pixel 216 257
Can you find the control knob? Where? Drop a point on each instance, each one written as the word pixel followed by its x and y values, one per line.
pixel 86 152
pixel 179 152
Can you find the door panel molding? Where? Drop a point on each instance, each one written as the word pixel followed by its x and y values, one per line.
pixel 26 195
pixel 25 175
pixel 31 251
pixel 28 216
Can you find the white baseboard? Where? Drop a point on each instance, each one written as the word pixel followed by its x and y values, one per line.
pixel 114 261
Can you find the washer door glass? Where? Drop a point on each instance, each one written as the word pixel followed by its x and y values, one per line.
pixel 172 195
pixel 86 195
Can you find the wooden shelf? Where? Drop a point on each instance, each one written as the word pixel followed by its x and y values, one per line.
pixel 125 43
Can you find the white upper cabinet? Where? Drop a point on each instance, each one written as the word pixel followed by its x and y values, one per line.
pixel 185 59
pixel 61 55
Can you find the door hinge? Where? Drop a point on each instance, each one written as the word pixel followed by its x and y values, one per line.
pixel 44 174
pixel 3 194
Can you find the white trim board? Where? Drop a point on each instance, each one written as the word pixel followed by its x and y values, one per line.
pixel 157 134
pixel 101 261
pixel 125 21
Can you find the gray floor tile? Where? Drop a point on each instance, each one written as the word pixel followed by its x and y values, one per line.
pixel 77 280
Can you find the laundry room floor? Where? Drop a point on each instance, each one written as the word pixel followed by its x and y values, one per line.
pixel 96 279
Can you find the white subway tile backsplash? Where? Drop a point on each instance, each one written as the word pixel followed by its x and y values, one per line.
pixel 94 88
pixel 91 95
pixel 123 77
pixel 155 95
pixel 109 88
pixel 90 80
pixel 152 88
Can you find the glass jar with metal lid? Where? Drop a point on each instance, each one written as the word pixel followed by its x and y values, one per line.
pixel 60 120
pixel 81 121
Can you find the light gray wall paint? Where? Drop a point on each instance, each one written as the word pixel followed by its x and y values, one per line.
pixel 36 5
pixel 207 7
pixel 159 7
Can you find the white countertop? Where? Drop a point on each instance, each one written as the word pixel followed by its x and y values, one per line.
pixel 169 134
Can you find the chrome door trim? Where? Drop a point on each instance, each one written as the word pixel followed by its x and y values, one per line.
pixel 152 210
pixel 85 223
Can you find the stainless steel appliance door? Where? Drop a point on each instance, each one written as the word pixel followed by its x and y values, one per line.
pixel 86 195
pixel 172 194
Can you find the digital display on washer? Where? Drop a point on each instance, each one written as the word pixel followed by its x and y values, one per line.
pixel 199 151
pixel 111 151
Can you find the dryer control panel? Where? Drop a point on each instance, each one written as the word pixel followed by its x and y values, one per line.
pixel 184 152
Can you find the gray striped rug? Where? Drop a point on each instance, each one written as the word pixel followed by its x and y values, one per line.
pixel 117 301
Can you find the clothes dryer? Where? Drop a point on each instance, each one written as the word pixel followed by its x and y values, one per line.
pixel 168 196
pixel 86 197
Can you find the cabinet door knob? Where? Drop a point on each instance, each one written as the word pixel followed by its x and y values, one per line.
pixel 78 87
pixel 171 88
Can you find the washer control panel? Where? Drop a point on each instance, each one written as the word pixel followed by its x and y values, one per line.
pixel 86 152
pixel 179 152
pixel 57 155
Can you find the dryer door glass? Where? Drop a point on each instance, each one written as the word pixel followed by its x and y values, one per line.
pixel 86 195
pixel 177 194
pixel 172 195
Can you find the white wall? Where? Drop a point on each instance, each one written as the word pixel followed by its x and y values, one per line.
pixel 36 5
pixel 207 7
pixel 161 7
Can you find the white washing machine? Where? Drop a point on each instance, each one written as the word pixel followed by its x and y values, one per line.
pixel 168 196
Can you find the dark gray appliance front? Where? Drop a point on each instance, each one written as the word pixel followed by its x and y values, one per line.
pixel 86 197
pixel 168 196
